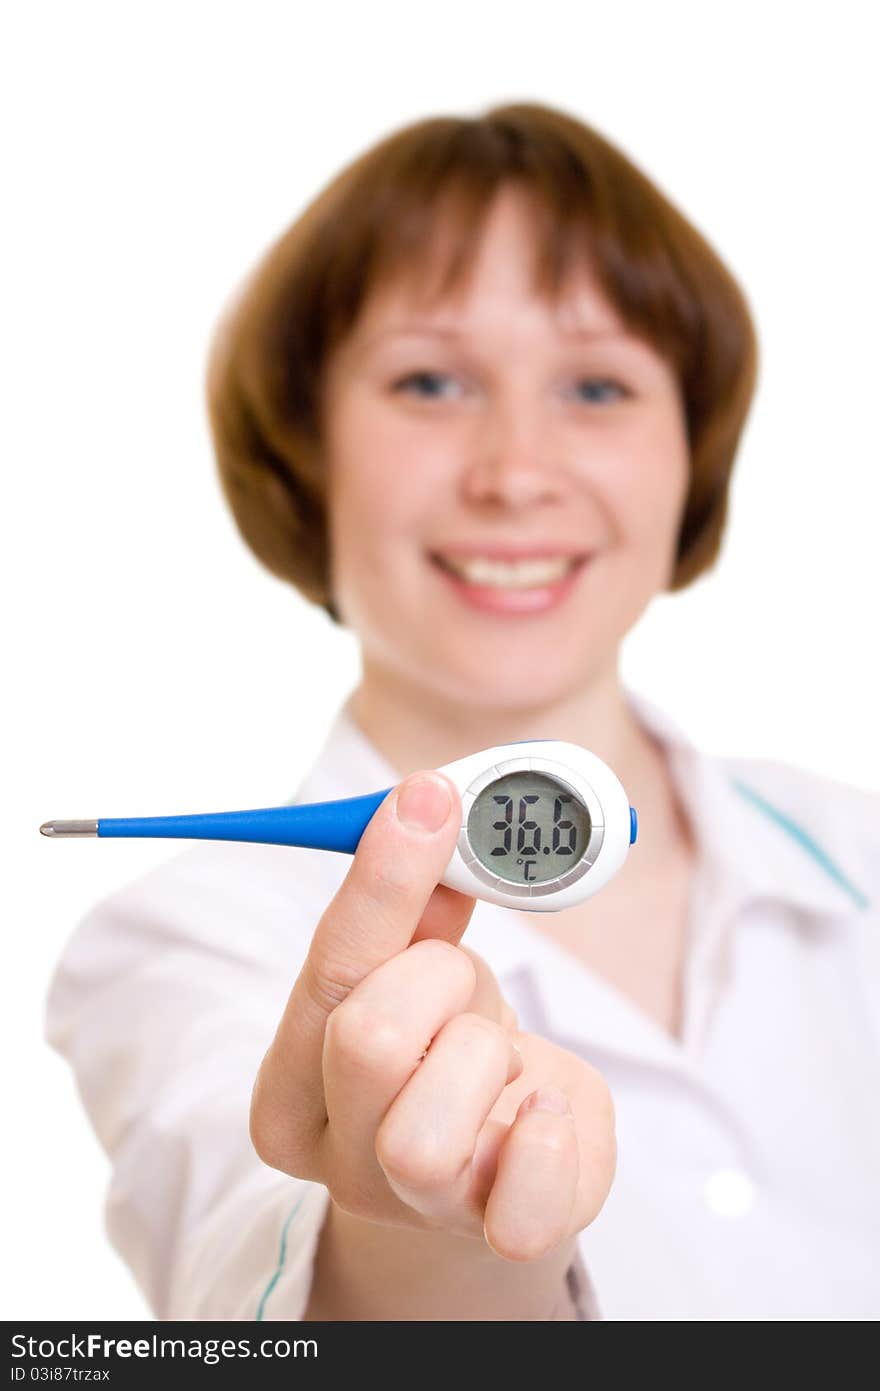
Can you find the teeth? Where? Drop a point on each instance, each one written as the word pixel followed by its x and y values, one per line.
pixel 510 574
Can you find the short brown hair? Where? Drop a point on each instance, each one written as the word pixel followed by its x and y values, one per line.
pixel 375 219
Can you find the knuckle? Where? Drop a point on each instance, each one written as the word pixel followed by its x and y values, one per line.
pixel 328 989
pixel 273 1143
pixel 392 1152
pixel 446 958
pixel 421 1160
pixel 266 1140
pixel 363 1041
pixel 274 1137
pixel 474 1033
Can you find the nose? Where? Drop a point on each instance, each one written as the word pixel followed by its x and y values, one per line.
pixel 510 460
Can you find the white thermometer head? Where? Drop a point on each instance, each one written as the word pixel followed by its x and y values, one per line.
pixel 544 824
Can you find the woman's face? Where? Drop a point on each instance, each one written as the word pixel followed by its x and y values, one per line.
pixel 505 480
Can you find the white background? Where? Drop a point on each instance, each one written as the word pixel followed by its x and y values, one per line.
pixel 151 153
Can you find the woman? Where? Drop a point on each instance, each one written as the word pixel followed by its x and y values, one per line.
pixel 482 402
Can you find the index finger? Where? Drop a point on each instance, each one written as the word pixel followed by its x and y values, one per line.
pixel 371 918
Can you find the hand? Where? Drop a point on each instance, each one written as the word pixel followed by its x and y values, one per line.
pixel 397 1076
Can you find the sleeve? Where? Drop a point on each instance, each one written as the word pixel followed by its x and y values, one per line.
pixel 164 1002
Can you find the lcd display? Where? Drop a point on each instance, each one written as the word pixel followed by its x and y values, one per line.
pixel 527 827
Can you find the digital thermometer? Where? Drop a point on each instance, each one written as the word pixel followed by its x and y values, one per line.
pixel 544 824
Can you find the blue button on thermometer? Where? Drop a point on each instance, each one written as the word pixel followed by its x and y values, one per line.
pixel 544 824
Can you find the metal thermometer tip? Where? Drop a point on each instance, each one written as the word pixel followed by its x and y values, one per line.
pixel 69 828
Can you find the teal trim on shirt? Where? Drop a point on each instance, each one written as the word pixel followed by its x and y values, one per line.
pixel 805 841
pixel 282 1256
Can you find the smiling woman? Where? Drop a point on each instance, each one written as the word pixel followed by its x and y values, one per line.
pixel 482 402
pixel 412 211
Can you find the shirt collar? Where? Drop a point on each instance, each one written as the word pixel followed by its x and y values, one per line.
pixel 748 835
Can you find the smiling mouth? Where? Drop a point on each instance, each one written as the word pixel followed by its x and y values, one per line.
pixel 534 572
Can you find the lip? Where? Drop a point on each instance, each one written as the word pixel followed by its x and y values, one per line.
pixel 497 550
pixel 513 602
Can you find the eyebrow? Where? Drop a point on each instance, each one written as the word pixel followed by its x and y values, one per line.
pixel 419 330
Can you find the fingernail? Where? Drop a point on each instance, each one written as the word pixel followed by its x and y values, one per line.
pixel 515 1063
pixel 547 1099
pixel 423 804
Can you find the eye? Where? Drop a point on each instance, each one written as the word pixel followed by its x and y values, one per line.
pixel 594 390
pixel 429 385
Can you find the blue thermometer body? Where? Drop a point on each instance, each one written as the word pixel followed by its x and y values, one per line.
pixel 544 824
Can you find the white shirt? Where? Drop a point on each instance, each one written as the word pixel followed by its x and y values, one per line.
pixel 748 1179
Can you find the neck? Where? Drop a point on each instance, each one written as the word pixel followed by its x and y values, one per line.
pixel 414 727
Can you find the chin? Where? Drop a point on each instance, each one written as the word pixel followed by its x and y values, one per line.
pixel 515 680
